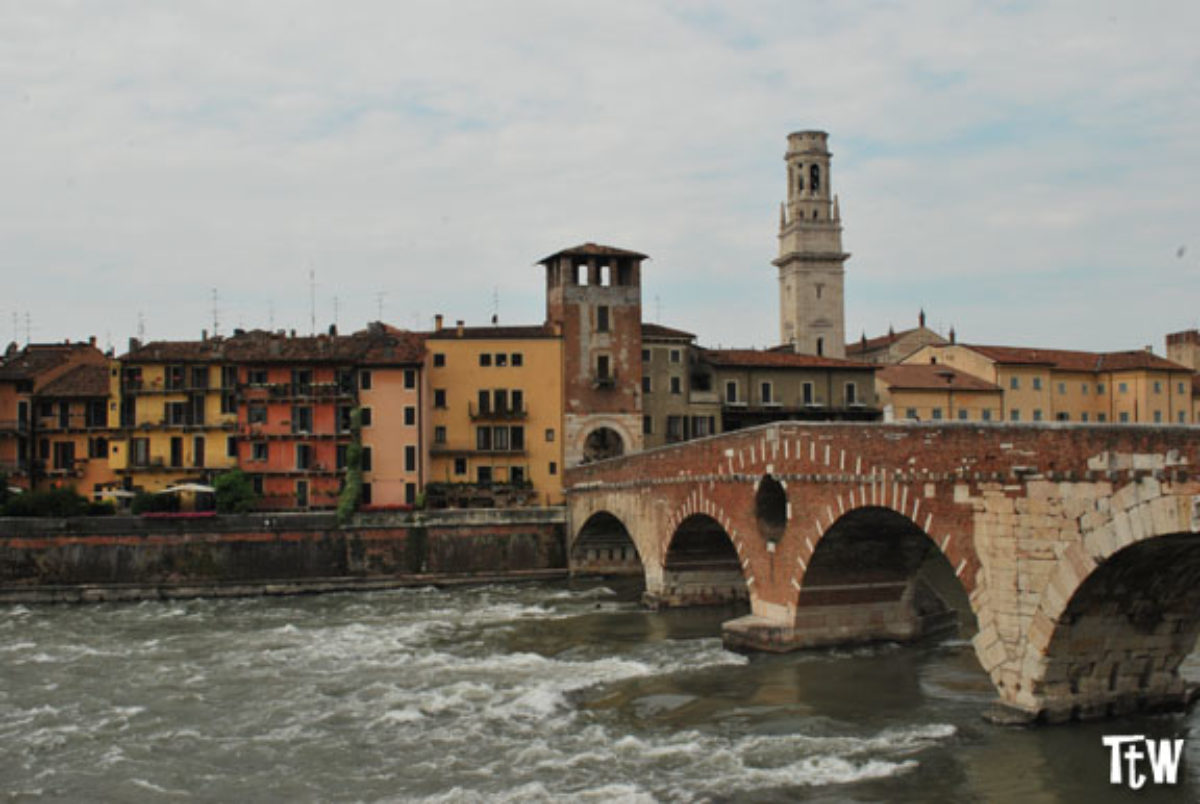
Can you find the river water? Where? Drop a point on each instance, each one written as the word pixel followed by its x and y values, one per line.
pixel 507 693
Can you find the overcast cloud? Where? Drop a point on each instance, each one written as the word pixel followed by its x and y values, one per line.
pixel 1024 171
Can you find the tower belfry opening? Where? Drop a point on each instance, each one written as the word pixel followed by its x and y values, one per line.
pixel 811 260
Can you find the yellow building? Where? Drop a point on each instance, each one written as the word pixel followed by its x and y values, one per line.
pixel 177 414
pixel 496 414
pixel 928 392
pixel 1065 385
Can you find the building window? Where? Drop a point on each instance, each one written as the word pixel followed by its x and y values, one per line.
pixel 1037 383
pixel 365 417
pixel 1123 388
pixel 366 459
pixel 731 392
pixel 484 398
pixel 851 393
pixel 301 419
pixel 1100 388
pixel 258 451
pixel 962 414
pixel 987 415
pixel 1062 416
pixel 340 455
pixel 1182 417
pixel 1037 414
pixel 1157 416
pixel 485 359
pixel 364 380
pixel 676 385
pixel 553 468
pixel 1014 415
pixel 460 466
pixel 410 493
pixel 483 439
pixel 911 413
pixel 820 347
pixel 1014 383
pixel 366 495
pixel 1083 417
pixel 439 434
pixel 501 359
pixel 645 355
pixel 516 438
pixel 410 416
pixel 675 429
pixel 304 456
pixel 410 459
pixel 1124 417
pixel 764 393
pixel 645 383
pixel 198 451
pixel 602 318
pixel 703 426
pixel 231 443
pixel 936 413
pixel 676 355
pixel 602 371
pixel 1085 387
pixel 806 393
pixel 483 475
pixel 516 475
pixel 1062 388
pixel 439 397
pixel 410 379
pixel 439 359
pixel 1180 388
pixel 1157 387
pixel 549 434
pixel 647 425
pixel 1101 417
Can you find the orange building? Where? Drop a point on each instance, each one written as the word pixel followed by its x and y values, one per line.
pixel 391 395
pixel 45 424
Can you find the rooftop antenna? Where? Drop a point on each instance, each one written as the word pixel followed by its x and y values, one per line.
pixel 16 327
pixel 379 305
pixel 216 318
pixel 495 305
pixel 141 326
pixel 335 312
pixel 312 302
pixel 271 316
pixel 28 329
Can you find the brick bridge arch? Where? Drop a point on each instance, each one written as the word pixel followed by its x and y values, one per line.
pixel 1021 516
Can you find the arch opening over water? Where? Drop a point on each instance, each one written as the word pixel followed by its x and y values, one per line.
pixel 604 546
pixel 876 575
pixel 1117 646
pixel 701 566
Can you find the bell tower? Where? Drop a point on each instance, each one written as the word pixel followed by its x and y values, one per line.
pixel 811 260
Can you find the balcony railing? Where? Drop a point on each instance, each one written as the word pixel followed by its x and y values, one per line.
pixel 493 413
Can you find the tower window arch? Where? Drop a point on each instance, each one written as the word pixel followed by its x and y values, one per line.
pixel 814 178
pixel 799 178
pixel 820 347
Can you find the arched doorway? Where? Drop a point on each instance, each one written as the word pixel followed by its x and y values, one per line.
pixel 601 444
pixel 885 579
pixel 701 567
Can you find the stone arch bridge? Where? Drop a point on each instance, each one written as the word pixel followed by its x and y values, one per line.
pixel 1075 547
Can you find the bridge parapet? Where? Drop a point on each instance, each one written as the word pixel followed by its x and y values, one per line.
pixel 1023 516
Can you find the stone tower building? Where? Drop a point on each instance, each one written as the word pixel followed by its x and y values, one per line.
pixel 594 294
pixel 810 262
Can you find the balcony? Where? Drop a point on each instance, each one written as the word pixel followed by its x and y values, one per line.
pixel 14 426
pixel 492 413
pixel 604 382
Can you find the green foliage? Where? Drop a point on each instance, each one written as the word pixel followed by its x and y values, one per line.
pixel 234 492
pixel 4 494
pixel 101 508
pixel 145 503
pixel 52 502
pixel 352 487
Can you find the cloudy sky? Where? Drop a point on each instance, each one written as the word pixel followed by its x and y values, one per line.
pixel 1025 171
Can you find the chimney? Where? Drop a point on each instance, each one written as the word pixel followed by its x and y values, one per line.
pixel 952 338
pixel 459 327
pixel 203 335
pixel 134 344
pixel 921 318
pixel 92 340
pixel 437 323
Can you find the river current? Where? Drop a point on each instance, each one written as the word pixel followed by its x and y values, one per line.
pixel 507 693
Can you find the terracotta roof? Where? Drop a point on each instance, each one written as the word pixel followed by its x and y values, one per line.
pixel 860 346
pixel 659 331
pixel 33 360
pixel 495 333
pixel 927 377
pixel 79 381
pixel 757 358
pixel 1071 360
pixel 376 344
pixel 592 250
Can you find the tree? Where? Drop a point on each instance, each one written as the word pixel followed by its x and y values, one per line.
pixel 234 492
pixel 351 491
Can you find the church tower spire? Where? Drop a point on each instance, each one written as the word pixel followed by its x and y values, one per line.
pixel 811 260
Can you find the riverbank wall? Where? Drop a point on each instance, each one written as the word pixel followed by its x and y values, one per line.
pixel 90 559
